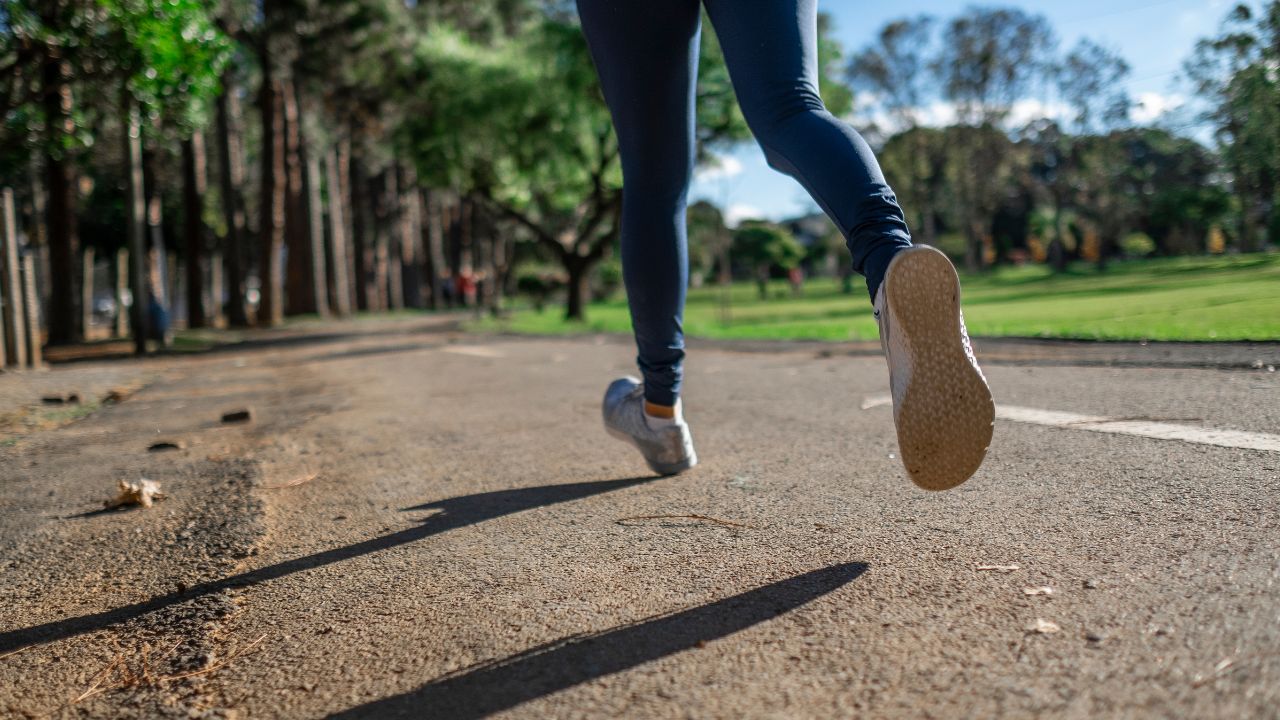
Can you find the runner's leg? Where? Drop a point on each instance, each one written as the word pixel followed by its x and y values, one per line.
pixel 646 53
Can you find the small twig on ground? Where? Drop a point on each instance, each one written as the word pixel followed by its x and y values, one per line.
pixel 130 678
pixel 218 665
pixel 692 516
pixel 1225 667
pixel 293 483
pixel 98 677
pixel 11 653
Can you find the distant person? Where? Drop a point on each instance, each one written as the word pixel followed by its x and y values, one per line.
pixel 795 277
pixel 646 53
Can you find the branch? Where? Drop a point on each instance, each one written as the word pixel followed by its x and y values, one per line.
pixel 525 221
pixel 604 242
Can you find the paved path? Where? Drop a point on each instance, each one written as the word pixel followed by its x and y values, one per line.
pixel 424 524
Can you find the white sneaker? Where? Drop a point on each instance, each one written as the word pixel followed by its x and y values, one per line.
pixel 942 406
pixel 668 450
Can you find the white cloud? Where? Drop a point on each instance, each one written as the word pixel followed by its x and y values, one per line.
pixel 722 166
pixel 737 212
pixel 1026 110
pixel 1152 105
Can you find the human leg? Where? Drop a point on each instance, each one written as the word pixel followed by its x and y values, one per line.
pixel 771 49
pixel 646 54
pixel 943 409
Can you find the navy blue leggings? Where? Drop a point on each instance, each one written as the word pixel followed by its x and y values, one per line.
pixel 646 52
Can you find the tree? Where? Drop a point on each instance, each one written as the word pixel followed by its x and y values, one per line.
pixel 988 60
pixel 708 240
pixel 892 72
pixel 1236 74
pixel 1088 80
pixel 765 246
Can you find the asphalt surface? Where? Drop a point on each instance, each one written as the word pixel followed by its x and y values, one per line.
pixel 421 523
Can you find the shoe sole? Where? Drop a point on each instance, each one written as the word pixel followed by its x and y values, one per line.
pixel 659 468
pixel 947 415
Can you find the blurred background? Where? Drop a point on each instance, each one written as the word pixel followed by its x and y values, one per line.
pixel 1099 170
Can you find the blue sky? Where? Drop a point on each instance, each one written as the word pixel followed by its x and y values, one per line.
pixel 1153 36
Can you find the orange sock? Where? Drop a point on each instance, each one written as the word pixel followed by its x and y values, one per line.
pixel 667 412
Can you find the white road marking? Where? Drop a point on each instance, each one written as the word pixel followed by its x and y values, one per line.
pixel 473 351
pixel 1120 426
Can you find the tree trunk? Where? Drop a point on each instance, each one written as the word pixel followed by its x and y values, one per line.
pixel 217 289
pixel 340 249
pixel 87 261
pixel 135 223
pixel 299 287
pixel 411 261
pixel 315 227
pixel 466 248
pixel 231 176
pixel 121 290
pixel 272 201
pixel 1057 247
pixel 194 180
pixel 577 288
pixel 393 232
pixel 13 340
pixel 381 242
pixel 435 243
pixel 362 250
pixel 60 185
pixel 157 255
pixel 35 357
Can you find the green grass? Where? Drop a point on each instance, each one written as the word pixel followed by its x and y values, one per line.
pixel 1200 298
pixel 71 413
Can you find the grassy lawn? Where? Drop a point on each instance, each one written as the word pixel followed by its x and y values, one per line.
pixel 1202 298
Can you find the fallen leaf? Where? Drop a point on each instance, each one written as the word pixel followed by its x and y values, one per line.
pixel 1000 568
pixel 143 493
pixel 1044 627
pixel 1042 590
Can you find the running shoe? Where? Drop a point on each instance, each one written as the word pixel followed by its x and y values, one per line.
pixel 667 449
pixel 942 406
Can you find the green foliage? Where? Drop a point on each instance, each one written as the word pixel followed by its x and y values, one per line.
pixel 1236 72
pixel 765 246
pixel 608 279
pixel 538 282
pixel 708 236
pixel 171 54
pixel 1137 245
pixel 521 120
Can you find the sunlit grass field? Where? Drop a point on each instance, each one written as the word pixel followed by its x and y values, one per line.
pixel 1202 298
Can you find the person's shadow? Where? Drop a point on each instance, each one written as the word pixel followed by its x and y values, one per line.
pixel 491 687
pixel 454 513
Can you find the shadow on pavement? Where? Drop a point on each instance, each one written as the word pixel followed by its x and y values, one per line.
pixel 502 684
pixel 454 513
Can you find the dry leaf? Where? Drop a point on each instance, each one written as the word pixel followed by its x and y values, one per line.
pixel 143 493
pixel 1044 627
pixel 1000 568
pixel 1042 590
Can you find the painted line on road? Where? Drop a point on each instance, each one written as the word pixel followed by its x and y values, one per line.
pixel 473 351
pixel 1122 426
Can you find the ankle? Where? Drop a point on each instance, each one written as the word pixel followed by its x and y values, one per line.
pixel 660 416
pixel 654 410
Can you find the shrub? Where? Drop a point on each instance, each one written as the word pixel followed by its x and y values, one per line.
pixel 1137 244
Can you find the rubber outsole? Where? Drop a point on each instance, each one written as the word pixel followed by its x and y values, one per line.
pixel 947 415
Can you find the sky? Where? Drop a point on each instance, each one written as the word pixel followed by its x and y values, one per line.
pixel 1153 36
